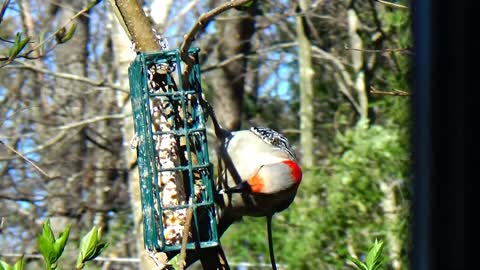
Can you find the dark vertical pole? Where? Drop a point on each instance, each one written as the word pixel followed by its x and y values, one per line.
pixel 422 16
pixel 444 104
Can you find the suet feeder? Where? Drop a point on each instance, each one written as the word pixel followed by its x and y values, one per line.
pixel 173 162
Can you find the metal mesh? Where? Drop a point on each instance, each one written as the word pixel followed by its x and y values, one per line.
pixel 169 122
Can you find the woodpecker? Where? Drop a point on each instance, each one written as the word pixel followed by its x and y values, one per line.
pixel 262 174
pixel 260 178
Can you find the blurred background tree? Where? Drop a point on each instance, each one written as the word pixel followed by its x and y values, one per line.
pixel 332 75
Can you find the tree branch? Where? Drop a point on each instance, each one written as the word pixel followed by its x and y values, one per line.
pixel 391 4
pixel 241 55
pixel 202 22
pixel 406 50
pixel 68 76
pixel 26 159
pixel 63 131
pixel 136 24
pixel 343 78
pixel 394 92
pixel 186 230
pixel 36 49
pixel 92 120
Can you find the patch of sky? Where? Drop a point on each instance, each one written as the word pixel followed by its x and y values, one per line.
pixel 278 83
pixel 27 145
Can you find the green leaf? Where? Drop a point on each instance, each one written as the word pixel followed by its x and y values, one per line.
pixel 47 231
pixel 360 265
pixel 374 260
pixel 88 243
pixel 174 262
pixel 18 45
pixel 100 248
pixel 80 264
pixel 51 248
pixel 23 43
pixel 5 266
pixel 19 264
pixel 246 5
pixel 46 249
pixel 377 264
pixel 45 243
pixel 12 50
pixel 249 3
pixel 90 247
pixel 83 258
pixel 41 40
pixel 68 35
pixel 62 241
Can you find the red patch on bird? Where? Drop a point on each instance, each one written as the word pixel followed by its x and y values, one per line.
pixel 296 171
pixel 256 183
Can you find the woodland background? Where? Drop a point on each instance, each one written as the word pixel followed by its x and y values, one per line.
pixel 333 76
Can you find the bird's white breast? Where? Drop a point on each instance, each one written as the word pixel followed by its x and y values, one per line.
pixel 248 152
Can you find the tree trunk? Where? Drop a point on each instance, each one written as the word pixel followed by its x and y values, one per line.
pixel 392 223
pixel 230 79
pixel 306 73
pixel 123 56
pixel 357 62
pixel 69 100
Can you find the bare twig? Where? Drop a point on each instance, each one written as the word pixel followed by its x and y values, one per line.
pixel 63 131
pixel 62 27
pixel 391 4
pixel 21 197
pixel 65 127
pixel 407 50
pixel 179 15
pixel 25 158
pixel 241 55
pixel 200 25
pixel 26 55
pixel 186 229
pixel 68 76
pixel 343 78
pixel 41 147
pixel 394 92
pixel 92 120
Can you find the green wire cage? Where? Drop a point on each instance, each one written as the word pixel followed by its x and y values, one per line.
pixel 173 162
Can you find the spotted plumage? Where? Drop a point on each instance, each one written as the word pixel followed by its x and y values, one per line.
pixel 274 138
